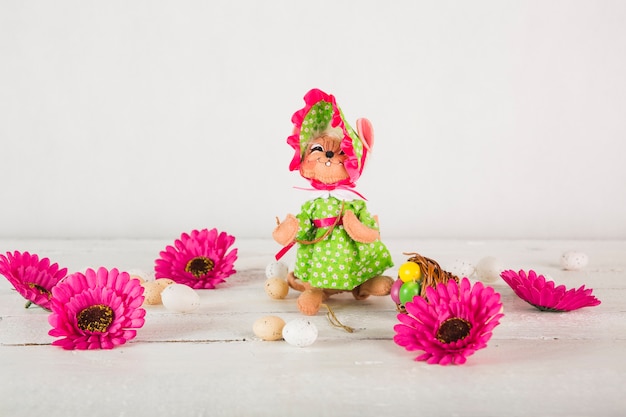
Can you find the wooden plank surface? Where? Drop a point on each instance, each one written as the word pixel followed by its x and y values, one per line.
pixel 209 363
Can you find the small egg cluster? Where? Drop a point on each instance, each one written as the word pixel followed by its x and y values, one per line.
pixel 175 297
pixel 276 285
pixel 489 268
pixel 299 332
pixel 408 284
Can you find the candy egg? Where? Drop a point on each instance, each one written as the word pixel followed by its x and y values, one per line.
pixel 408 291
pixel 269 328
pixel 488 269
pixel 573 261
pixel 395 290
pixel 409 271
pixel 300 332
pixel 151 293
pixel 180 298
pixel 276 269
pixel 276 288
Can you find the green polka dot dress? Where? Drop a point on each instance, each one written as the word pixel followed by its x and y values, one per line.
pixel 337 261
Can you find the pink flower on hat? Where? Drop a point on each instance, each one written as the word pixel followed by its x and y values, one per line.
pixel 321 115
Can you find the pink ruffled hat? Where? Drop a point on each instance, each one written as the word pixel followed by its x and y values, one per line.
pixel 321 115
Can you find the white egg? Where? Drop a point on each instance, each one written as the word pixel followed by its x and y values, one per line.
pixel 573 261
pixel 461 268
pixel 276 269
pixel 180 298
pixel 488 269
pixel 300 332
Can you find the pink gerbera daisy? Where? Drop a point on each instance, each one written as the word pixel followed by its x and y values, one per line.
pixel 451 323
pixel 544 295
pixel 198 260
pixel 32 277
pixel 96 310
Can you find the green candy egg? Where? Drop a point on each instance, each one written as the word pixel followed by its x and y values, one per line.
pixel 408 290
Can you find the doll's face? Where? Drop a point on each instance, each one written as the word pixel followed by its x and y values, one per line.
pixel 323 160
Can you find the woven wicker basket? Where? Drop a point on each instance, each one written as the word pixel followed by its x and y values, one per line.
pixel 432 274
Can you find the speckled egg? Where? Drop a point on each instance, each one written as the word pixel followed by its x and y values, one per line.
pixel 269 328
pixel 488 269
pixel 151 293
pixel 138 278
pixel 180 298
pixel 276 288
pixel 461 268
pixel 141 275
pixel 573 261
pixel 300 332
pixel 276 269
pixel 164 282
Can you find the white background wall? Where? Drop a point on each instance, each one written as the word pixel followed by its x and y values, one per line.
pixel 493 119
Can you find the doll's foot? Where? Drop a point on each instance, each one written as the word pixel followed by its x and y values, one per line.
pixel 310 301
pixel 380 286
pixel 296 284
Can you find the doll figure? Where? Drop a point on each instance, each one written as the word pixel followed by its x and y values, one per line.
pixel 338 242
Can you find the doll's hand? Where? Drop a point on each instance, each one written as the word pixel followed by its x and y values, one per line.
pixel 285 232
pixel 357 230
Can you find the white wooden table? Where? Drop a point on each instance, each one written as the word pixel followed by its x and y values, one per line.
pixel 209 363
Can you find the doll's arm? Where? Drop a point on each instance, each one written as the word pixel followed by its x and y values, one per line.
pixel 286 232
pixel 357 230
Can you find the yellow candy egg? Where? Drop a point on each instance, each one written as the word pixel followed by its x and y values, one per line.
pixel 276 288
pixel 409 271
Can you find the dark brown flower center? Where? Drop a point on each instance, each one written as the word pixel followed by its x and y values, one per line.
pixel 453 329
pixel 96 318
pixel 199 266
pixel 41 289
